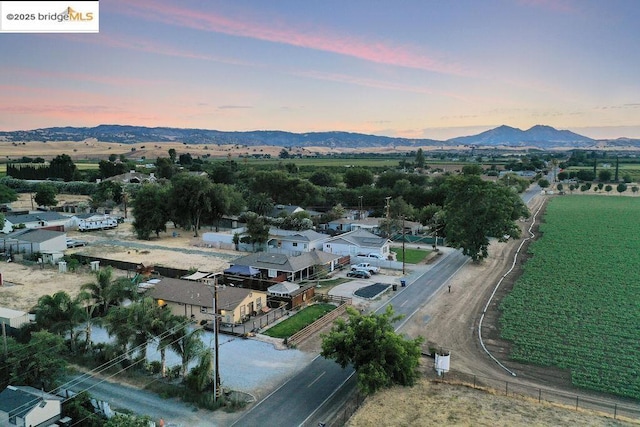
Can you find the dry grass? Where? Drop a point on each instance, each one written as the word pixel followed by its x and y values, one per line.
pixel 433 403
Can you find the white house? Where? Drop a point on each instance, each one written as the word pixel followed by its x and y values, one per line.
pixel 36 220
pixel 296 241
pixel 357 242
pixel 24 406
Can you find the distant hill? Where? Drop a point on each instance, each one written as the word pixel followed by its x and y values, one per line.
pixel 539 136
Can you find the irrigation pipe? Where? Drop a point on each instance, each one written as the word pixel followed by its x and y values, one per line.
pixel 495 289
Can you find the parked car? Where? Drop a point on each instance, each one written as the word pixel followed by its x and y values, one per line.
pixel 376 256
pixel 73 243
pixel 359 274
pixel 367 267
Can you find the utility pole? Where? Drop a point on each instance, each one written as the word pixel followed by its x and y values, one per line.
pixel 216 363
pixel 388 198
pixel 403 262
pixel 360 206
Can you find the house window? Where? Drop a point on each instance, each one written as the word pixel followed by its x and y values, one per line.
pixel 295 244
pixel 203 310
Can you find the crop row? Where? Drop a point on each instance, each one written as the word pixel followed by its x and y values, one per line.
pixel 577 304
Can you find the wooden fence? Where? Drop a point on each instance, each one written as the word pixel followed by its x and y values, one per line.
pixel 316 326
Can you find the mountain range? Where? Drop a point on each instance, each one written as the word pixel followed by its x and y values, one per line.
pixel 539 136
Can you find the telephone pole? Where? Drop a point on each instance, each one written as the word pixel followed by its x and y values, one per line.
pixel 403 270
pixel 388 198
pixel 216 363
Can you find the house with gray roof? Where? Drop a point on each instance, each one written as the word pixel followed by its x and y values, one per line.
pixel 295 242
pixel 28 406
pixel 292 268
pixel 194 300
pixel 32 240
pixel 37 219
pixel 356 242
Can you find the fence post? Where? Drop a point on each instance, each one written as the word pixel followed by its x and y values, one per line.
pixel 539 395
pixel 506 388
pixel 474 381
pixel 577 397
pixel 615 410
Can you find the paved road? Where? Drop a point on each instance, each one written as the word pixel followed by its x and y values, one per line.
pixel 309 397
pixel 143 402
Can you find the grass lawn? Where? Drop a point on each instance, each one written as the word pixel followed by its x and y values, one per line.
pixel 411 256
pixel 299 321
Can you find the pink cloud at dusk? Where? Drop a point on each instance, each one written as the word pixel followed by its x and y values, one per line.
pixel 319 39
pixel 378 84
pixel 149 46
pixel 74 76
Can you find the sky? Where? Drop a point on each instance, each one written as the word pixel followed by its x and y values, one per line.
pixel 404 68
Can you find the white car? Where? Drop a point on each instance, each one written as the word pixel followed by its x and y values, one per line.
pixel 376 256
pixel 73 243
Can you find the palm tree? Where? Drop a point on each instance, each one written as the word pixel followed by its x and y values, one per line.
pixel 188 345
pixel 57 313
pixel 99 290
pixel 118 326
pixel 202 374
pixel 164 327
pixel 107 292
pixel 85 315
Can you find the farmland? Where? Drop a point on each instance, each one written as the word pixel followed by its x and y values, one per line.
pixel 577 304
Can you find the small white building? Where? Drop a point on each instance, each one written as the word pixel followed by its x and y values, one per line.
pixel 13 318
pixel 283 289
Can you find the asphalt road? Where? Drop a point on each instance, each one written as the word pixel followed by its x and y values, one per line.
pixel 139 401
pixel 310 397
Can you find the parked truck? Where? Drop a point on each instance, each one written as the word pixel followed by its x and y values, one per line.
pixel 97 223
pixel 372 269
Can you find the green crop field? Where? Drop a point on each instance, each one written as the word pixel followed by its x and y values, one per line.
pixel 577 304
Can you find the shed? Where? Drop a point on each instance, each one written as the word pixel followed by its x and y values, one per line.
pixel 13 318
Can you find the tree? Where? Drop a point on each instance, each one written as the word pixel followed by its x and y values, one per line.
pixel 322 178
pixel 357 177
pixel 188 345
pixel 200 377
pixel 172 155
pixel 476 210
pixel 128 420
pixel 151 210
pixel 7 195
pixel 63 167
pixel 420 162
pixel 608 188
pixel 621 188
pixel 106 291
pixel 46 195
pixel 191 198
pixel 257 229
pixel 380 356
pixel 472 170
pixel 604 175
pixel 559 187
pixel 165 168
pixel 634 189
pixel 284 154
pixel 543 183
pixel 224 201
pixel 57 313
pixel 38 363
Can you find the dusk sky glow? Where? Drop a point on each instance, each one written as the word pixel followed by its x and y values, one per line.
pixel 410 68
